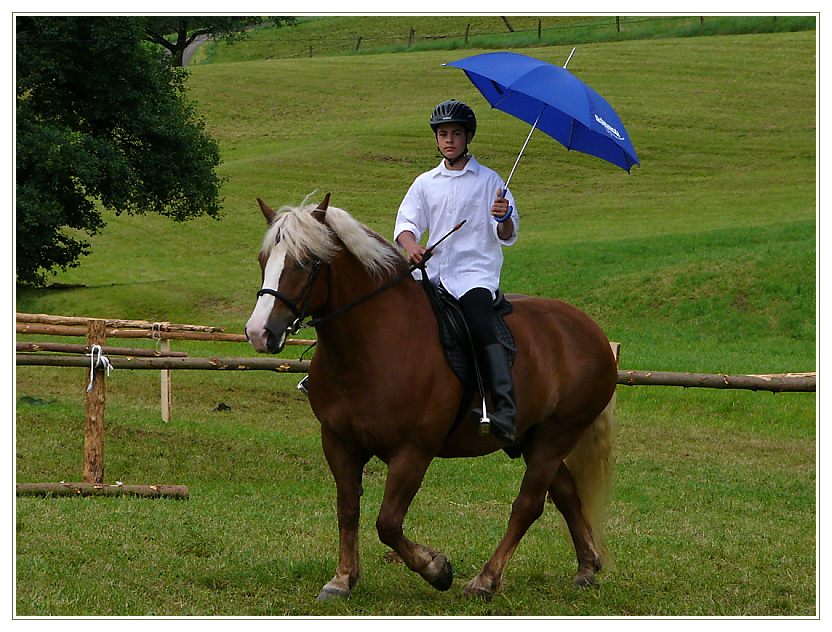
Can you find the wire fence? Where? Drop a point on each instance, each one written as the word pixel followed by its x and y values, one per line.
pixel 288 42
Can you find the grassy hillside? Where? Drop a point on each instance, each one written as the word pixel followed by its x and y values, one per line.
pixel 724 197
pixel 702 260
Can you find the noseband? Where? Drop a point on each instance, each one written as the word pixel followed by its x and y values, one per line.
pixel 299 308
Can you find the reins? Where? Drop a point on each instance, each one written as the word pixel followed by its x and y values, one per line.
pixel 300 312
pixel 314 322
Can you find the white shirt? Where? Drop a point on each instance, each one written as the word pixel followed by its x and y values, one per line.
pixel 436 202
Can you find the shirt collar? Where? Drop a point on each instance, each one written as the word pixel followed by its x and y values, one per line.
pixel 472 166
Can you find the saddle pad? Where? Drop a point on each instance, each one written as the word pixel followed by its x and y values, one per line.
pixel 453 332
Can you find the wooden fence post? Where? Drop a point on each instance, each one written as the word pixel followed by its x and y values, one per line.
pixel 94 410
pixel 166 403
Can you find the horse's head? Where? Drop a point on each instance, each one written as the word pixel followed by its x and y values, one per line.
pixel 290 265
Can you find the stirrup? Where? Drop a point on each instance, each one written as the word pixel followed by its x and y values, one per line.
pixel 302 386
pixel 485 422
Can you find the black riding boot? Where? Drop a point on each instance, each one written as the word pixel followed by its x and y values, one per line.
pixel 497 374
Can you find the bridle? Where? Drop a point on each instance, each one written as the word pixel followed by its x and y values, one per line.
pixel 300 308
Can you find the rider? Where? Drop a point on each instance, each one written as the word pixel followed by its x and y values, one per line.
pixel 468 264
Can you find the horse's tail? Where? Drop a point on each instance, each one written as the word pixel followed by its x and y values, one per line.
pixel 591 465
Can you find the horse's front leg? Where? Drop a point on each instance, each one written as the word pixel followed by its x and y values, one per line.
pixel 347 466
pixel 405 474
pixel 527 507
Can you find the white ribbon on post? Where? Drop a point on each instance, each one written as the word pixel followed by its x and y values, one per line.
pixel 97 363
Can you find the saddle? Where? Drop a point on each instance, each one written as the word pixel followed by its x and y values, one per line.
pixel 454 336
pixel 459 349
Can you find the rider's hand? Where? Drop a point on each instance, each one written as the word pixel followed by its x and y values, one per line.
pixel 415 251
pixel 499 208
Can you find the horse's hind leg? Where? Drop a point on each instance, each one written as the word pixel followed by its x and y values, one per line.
pixel 347 467
pixel 565 496
pixel 405 474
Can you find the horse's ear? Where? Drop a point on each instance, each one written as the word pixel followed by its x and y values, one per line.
pixel 320 212
pixel 268 213
pixel 325 204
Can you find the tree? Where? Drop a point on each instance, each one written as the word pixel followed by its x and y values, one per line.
pixel 186 28
pixel 102 122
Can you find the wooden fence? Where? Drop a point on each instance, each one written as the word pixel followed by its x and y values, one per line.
pixel 99 358
pixel 164 360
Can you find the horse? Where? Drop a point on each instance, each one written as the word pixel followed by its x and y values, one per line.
pixel 380 386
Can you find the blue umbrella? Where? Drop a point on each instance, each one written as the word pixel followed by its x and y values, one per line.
pixel 553 100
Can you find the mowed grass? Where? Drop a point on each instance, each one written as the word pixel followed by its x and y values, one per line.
pixel 701 260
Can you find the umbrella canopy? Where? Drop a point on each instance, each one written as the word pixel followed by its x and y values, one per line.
pixel 553 100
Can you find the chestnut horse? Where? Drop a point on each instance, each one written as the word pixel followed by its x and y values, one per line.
pixel 380 386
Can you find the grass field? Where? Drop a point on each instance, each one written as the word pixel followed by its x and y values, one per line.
pixel 702 260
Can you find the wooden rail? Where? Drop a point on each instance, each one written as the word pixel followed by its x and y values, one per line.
pixel 776 383
pixel 216 363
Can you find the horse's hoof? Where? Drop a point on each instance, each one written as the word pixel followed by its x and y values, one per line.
pixel 475 590
pixel 328 592
pixel 439 573
pixel 584 579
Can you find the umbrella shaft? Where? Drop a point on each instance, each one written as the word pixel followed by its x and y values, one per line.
pixel 520 155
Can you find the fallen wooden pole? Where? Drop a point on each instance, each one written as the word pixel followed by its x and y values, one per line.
pixel 778 383
pixel 66 347
pixel 281 365
pixel 91 489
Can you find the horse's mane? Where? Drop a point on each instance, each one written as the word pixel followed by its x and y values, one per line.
pixel 304 236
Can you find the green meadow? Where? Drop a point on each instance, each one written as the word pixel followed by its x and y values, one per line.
pixel 703 260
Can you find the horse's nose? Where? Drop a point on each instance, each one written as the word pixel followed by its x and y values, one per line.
pixel 258 337
pixel 266 340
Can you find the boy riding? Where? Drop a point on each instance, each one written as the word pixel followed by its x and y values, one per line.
pixel 467 265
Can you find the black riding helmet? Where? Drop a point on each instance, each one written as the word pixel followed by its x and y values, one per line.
pixel 453 111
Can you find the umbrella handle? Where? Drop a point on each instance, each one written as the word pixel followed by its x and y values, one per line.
pixel 505 217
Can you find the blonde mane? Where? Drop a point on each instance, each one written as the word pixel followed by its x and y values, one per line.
pixel 304 235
